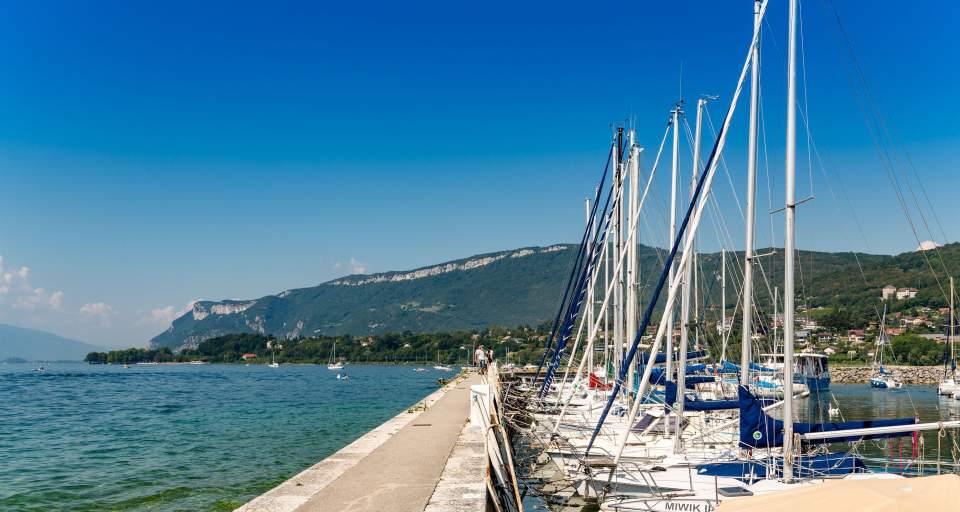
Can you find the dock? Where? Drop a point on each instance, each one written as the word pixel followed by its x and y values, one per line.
pixel 429 457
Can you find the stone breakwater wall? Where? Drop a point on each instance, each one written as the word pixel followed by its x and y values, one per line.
pixel 909 374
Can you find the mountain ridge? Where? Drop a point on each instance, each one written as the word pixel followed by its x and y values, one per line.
pixel 37 345
pixel 385 301
pixel 522 287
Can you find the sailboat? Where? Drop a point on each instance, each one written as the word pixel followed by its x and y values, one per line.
pixel 441 367
pixel 273 355
pixel 948 386
pixel 882 379
pixel 334 363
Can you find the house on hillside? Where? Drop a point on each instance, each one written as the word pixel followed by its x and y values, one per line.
pixel 248 356
pixel 888 291
pixel 906 293
pixel 856 335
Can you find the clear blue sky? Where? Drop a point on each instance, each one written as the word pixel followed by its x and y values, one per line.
pixel 155 154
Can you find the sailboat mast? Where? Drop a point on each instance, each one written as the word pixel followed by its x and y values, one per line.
pixel 723 293
pixel 789 244
pixel 952 356
pixel 608 355
pixel 618 245
pixel 746 340
pixel 675 174
pixel 634 173
pixel 590 304
pixel 685 297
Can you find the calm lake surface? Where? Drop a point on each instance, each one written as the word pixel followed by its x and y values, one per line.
pixel 185 437
pixel 860 402
pixel 211 437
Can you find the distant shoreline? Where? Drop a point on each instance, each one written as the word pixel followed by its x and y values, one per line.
pixel 238 363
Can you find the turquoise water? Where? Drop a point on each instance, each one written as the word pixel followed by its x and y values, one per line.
pixel 186 437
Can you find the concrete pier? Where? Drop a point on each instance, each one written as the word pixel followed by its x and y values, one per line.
pixel 427 458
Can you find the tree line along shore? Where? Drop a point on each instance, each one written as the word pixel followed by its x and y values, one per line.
pixel 520 345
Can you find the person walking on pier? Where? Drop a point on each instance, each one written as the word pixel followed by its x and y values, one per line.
pixel 480 359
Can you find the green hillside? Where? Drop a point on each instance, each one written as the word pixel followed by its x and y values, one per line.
pixel 504 288
pixel 524 286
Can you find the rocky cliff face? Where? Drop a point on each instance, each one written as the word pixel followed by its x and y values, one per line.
pixel 507 288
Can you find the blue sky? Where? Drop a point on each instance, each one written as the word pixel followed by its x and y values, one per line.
pixel 152 155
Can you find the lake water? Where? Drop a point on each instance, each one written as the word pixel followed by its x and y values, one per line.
pixel 211 437
pixel 860 401
pixel 186 437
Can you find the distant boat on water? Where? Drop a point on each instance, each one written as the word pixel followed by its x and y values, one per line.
pixel 441 367
pixel 273 354
pixel 334 364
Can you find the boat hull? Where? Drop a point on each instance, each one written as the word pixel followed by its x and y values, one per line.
pixel 814 384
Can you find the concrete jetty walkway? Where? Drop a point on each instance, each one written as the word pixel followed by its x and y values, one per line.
pixel 395 467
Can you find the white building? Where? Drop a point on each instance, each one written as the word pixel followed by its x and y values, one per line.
pixel 889 291
pixel 906 293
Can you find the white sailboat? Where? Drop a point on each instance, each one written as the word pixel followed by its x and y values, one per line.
pixel 883 379
pixel 334 363
pixel 273 354
pixel 948 385
pixel 441 367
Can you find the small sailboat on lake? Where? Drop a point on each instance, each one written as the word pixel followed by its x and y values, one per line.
pixel 883 379
pixel 948 385
pixel 334 363
pixel 273 355
pixel 441 367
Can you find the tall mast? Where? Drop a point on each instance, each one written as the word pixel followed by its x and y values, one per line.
pixel 723 293
pixel 675 173
pixel 685 297
pixel 611 315
pixel 590 304
pixel 607 352
pixel 788 245
pixel 952 356
pixel 776 316
pixel 634 170
pixel 618 262
pixel 746 341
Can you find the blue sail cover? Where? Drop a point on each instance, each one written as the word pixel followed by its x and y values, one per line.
pixel 830 464
pixel 670 397
pixel 759 430
pixel 662 356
